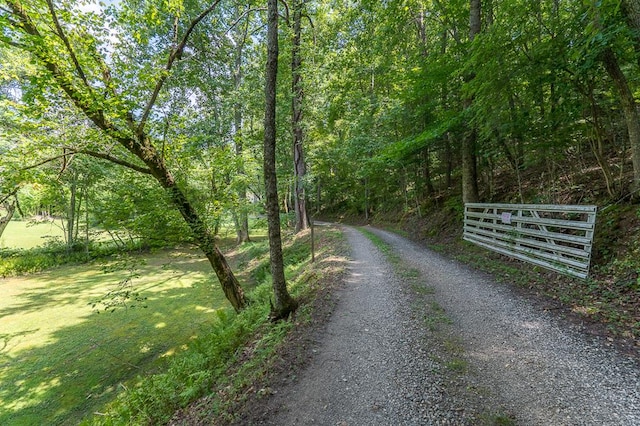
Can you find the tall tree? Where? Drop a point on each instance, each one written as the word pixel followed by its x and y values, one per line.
pixel 74 64
pixel 469 161
pixel 241 217
pixel 625 94
pixel 284 303
pixel 631 10
pixel 629 108
pixel 299 167
pixel 632 13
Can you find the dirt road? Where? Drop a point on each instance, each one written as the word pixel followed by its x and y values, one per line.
pixel 424 340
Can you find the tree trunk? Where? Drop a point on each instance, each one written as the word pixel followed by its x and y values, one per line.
pixel 71 215
pixel 631 10
pixel 597 145
pixel 629 109
pixel 206 242
pixel 366 200
pixel 78 215
pixel 86 220
pixel 4 221
pixel 144 150
pixel 469 161
pixel 284 303
pixel 448 156
pixel 469 168
pixel 318 196
pixel 426 173
pixel 240 217
pixel 299 168
pixel 475 18
pixel 627 101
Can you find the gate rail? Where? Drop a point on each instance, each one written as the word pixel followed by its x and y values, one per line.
pixel 556 237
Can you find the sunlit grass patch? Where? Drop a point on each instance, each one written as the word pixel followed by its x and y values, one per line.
pixel 222 365
pixel 26 235
pixel 59 359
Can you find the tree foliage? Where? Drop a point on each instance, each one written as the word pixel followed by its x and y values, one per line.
pixel 403 101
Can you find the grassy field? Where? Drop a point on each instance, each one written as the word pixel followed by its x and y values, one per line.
pixel 25 235
pixel 60 360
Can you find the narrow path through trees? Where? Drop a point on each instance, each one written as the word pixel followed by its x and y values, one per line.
pixel 425 340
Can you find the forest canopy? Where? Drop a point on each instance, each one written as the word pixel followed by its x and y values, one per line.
pixel 148 116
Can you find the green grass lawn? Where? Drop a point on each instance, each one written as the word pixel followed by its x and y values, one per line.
pixel 61 361
pixel 25 235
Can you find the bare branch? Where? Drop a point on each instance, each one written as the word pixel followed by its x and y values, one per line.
pixel 286 15
pixel 175 55
pixel 247 12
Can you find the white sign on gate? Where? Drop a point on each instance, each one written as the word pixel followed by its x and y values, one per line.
pixel 506 218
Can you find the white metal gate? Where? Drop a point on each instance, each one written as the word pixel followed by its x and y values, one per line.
pixel 556 237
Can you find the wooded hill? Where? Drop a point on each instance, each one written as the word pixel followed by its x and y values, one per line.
pixel 148 116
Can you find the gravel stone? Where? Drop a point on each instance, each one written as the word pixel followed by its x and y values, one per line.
pixel 545 370
pixel 450 347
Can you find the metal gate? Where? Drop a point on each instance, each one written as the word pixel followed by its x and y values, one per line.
pixel 555 237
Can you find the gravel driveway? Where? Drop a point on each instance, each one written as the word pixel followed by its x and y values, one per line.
pixel 442 344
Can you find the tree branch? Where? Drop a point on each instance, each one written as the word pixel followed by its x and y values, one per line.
pixel 175 55
pixel 109 158
pixel 245 13
pixel 43 162
pixel 8 17
pixel 106 72
pixel 286 8
pixel 15 196
pixel 72 151
pixel 9 195
pixel 40 50
pixel 66 42
pixel 13 43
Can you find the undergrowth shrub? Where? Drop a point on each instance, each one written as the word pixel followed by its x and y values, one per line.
pixel 15 262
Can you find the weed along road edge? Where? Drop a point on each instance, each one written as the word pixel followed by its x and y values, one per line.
pixel 416 338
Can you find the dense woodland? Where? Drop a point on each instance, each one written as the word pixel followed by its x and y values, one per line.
pixel 147 119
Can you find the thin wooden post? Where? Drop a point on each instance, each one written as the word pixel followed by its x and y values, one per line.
pixel 313 245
